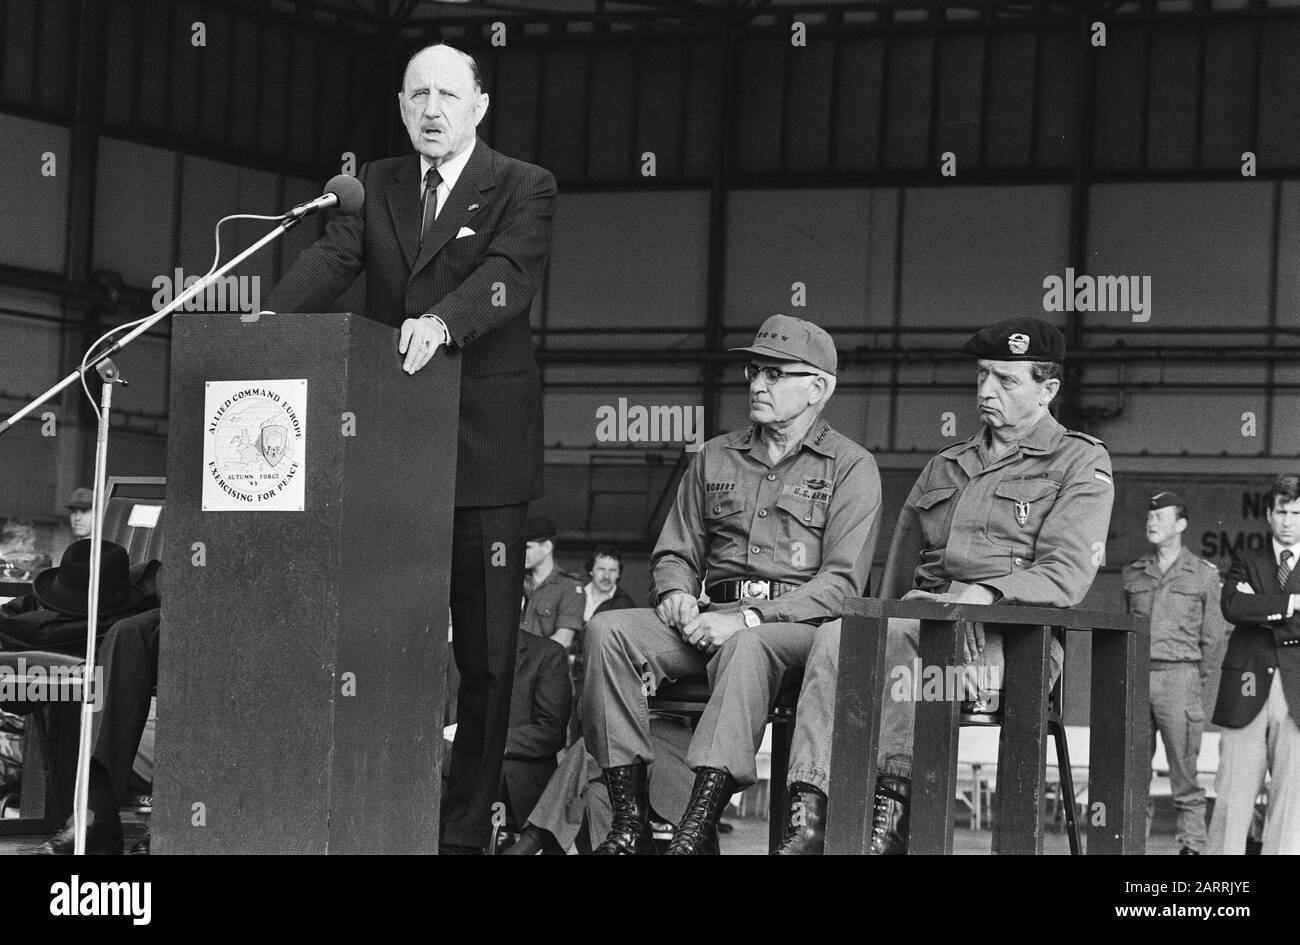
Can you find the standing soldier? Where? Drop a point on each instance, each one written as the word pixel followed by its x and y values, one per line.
pixel 553 598
pixel 1179 593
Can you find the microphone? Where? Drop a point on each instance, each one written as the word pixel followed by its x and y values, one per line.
pixel 343 192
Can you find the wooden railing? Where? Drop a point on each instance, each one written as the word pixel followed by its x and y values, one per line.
pixel 1119 762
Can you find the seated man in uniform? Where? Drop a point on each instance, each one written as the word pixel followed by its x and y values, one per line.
pixel 776 521
pixel 540 701
pixel 1018 514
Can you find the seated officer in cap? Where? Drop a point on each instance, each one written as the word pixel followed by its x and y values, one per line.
pixel 1017 514
pixel 775 520
pixel 1179 593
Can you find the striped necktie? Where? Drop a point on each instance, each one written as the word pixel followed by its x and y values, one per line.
pixel 429 208
pixel 1284 568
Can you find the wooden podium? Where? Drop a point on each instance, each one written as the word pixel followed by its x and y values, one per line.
pixel 302 660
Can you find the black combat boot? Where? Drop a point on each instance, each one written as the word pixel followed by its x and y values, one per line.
pixel 805 832
pixel 697 834
pixel 629 796
pixel 890 818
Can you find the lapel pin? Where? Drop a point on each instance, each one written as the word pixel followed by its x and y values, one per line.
pixel 471 208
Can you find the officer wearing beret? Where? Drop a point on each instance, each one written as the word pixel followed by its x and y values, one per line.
pixel 776 522
pixel 1018 514
pixel 553 598
pixel 1179 593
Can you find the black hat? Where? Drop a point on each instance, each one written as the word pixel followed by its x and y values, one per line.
pixel 540 528
pixel 82 499
pixel 1017 339
pixel 64 589
pixel 1163 500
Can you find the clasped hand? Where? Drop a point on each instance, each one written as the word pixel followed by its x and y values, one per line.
pixel 973 645
pixel 706 632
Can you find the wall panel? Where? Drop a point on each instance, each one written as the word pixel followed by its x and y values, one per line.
pixel 661 118
pixel 1119 127
pixel 759 129
pixel 135 207
pixel 907 115
pixel 961 110
pixel 1229 49
pixel 30 358
pixel 1279 95
pixel 33 221
pixel 608 132
pixel 1171 110
pixel 628 260
pixel 861 78
pixel 973 255
pixel 1183 422
pixel 807 143
pixel 564 97
pixel 1009 115
pixel 837 243
pixel 1205 246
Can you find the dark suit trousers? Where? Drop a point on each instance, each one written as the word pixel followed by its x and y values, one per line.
pixel 129 657
pixel 485 621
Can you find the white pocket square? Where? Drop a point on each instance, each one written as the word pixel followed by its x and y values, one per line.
pixel 464 231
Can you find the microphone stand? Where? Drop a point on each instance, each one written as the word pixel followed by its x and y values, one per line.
pixel 109 376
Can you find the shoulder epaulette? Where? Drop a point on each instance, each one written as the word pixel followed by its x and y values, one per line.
pixel 1085 437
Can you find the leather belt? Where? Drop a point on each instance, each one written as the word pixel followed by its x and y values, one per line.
pixel 726 592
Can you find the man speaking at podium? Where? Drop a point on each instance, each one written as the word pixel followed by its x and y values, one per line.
pixel 453 241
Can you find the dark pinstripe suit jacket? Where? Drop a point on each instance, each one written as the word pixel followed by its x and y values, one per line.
pixel 481 286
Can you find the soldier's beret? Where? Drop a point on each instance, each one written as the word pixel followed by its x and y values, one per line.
pixel 1017 339
pixel 540 528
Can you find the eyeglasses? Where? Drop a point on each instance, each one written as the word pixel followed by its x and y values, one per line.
pixel 773 374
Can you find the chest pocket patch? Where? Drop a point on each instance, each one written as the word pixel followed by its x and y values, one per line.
pixel 719 507
pixel 1027 503
pixel 1185 600
pixel 808 513
pixel 935 509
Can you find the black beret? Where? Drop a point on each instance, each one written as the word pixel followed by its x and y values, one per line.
pixel 1163 500
pixel 1017 339
pixel 540 528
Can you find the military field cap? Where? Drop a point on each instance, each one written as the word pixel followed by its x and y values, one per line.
pixel 82 498
pixel 793 339
pixel 1163 500
pixel 1017 339
pixel 540 528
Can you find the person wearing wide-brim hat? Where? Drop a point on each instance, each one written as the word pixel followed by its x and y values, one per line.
pixel 53 616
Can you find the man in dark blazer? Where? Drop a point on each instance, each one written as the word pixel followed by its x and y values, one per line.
pixel 453 241
pixel 1259 690
pixel 540 703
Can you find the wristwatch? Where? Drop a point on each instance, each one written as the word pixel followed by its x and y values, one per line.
pixel 752 617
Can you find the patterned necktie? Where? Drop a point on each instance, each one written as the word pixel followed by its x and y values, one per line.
pixel 1284 568
pixel 429 209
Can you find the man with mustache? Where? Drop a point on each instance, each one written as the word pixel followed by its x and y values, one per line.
pixel 453 240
